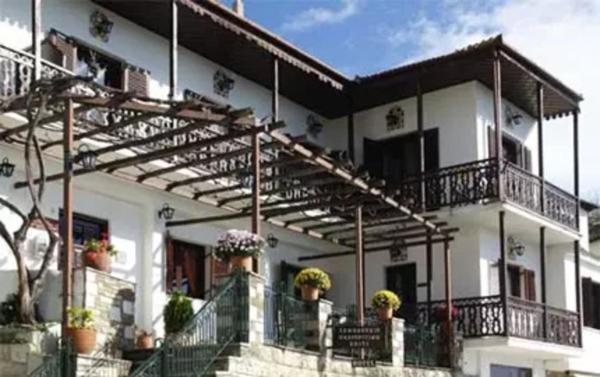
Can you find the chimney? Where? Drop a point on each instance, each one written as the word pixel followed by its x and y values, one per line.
pixel 238 7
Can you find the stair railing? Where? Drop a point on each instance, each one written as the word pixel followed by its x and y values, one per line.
pixel 59 364
pixel 203 339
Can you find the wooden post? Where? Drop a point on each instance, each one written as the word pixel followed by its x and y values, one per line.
pixel 543 280
pixel 448 298
pixel 67 235
pixel 256 183
pixel 576 243
pixel 502 273
pixel 275 92
pixel 173 51
pixel 540 120
pixel 36 31
pixel 359 255
pixel 429 253
pixel 421 132
pixel 498 118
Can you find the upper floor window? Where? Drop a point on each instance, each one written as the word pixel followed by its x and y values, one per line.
pixel 399 158
pixel 591 303
pixel 85 59
pixel 521 282
pixel 512 150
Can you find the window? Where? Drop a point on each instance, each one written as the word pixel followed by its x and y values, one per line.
pixel 398 158
pixel 186 268
pixel 512 150
pixel 521 282
pixel 591 303
pixel 85 227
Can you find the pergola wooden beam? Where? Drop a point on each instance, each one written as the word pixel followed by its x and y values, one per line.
pixel 152 156
pixel 377 223
pixel 396 231
pixel 400 236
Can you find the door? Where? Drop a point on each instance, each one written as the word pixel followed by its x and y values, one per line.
pixel 186 268
pixel 402 280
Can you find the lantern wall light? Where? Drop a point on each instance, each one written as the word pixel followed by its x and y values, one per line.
pixel 272 241
pixel 86 157
pixel 7 168
pixel 166 212
pixel 515 247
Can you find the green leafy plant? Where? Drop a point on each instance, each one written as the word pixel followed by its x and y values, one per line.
pixel 313 277
pixel 177 312
pixel 385 299
pixel 9 310
pixel 80 318
pixel 99 246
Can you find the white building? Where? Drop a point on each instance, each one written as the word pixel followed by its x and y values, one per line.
pixel 426 128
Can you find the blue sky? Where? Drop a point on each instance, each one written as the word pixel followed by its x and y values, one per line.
pixel 359 37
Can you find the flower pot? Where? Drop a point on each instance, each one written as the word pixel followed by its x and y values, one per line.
pixel 244 263
pixel 84 340
pixel 100 260
pixel 385 314
pixel 309 293
pixel 144 342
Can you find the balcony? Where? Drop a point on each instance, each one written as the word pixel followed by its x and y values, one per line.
pixel 481 181
pixel 484 316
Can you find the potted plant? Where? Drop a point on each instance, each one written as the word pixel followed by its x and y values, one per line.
pixel 177 312
pixel 144 339
pixel 311 282
pixel 81 329
pixel 238 247
pixel 386 302
pixel 441 315
pixel 97 253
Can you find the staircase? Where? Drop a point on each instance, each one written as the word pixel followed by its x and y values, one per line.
pixel 192 352
pixel 206 337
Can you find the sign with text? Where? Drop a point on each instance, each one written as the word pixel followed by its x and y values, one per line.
pixel 354 337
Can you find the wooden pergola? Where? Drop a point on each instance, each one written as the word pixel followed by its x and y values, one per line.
pixel 224 157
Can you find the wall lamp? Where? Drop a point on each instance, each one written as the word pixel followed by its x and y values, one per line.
pixel 272 241
pixel 86 157
pixel 166 212
pixel 515 247
pixel 7 168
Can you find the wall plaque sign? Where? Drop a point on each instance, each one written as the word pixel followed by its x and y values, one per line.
pixel 354 337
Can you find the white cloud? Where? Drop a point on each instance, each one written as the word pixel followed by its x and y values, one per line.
pixel 318 16
pixel 561 36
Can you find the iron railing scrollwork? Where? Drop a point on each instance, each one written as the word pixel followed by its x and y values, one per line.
pixel 484 316
pixel 193 350
pixel 478 182
pixel 430 346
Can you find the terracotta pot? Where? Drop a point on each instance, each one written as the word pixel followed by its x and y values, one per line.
pixel 241 262
pixel 100 260
pixel 144 342
pixel 385 314
pixel 84 340
pixel 309 293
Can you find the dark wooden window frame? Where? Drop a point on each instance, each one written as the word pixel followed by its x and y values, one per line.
pixel 205 265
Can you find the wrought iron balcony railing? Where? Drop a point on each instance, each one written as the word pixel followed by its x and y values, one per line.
pixel 17 71
pixel 478 182
pixel 484 316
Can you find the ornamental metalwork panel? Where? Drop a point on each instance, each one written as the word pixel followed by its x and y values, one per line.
pixel 60 364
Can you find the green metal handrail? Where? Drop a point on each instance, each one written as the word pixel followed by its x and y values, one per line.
pixel 193 350
pixel 60 364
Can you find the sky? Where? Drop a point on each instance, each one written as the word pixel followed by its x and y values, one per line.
pixel 358 37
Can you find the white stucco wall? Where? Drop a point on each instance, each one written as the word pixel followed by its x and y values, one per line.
pixel 147 50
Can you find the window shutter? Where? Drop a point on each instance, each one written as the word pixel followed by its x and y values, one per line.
pixel 170 262
pixel 491 142
pixel 588 301
pixel 136 81
pixel 529 277
pixel 527 159
pixel 432 150
pixel 68 50
pixel 595 304
pixel 373 157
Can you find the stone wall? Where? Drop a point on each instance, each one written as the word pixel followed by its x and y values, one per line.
pixel 255 360
pixel 22 349
pixel 113 302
